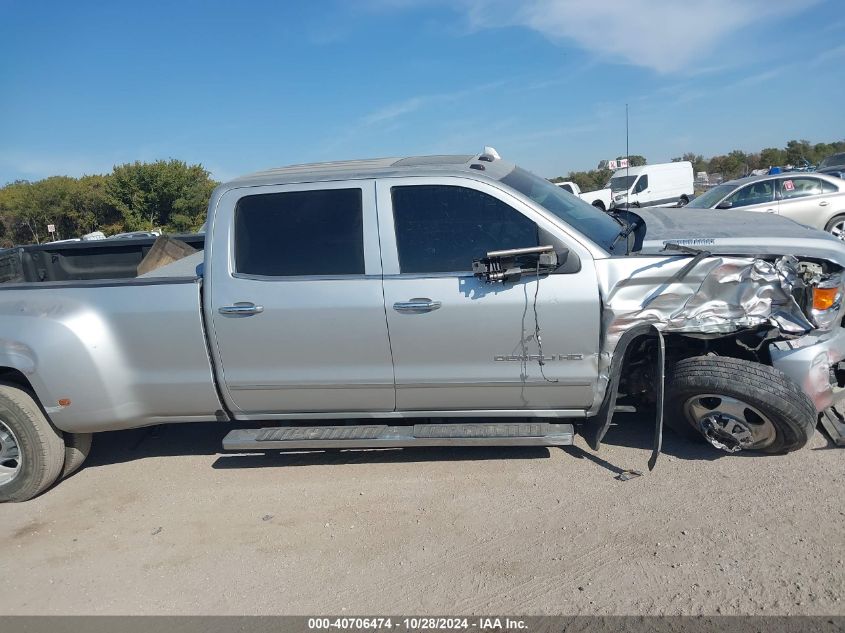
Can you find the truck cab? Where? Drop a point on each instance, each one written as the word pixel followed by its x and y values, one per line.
pixel 363 283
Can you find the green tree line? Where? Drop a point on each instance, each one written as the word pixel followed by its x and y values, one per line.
pixel 170 195
pixel 731 165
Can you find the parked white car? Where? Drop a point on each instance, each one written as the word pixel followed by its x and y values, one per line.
pixel 600 198
pixel 659 185
pixel 817 200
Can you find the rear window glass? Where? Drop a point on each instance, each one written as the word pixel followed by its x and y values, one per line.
pixel 296 233
pixel 829 187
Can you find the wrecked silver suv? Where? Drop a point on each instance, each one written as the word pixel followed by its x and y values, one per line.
pixel 440 300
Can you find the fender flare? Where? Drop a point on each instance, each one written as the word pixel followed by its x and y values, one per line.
pixel 595 428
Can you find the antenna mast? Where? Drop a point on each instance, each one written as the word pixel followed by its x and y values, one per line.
pixel 627 160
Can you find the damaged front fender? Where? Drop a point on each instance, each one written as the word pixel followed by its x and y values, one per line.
pixel 718 295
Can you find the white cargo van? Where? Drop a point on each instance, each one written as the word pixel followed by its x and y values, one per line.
pixel 663 184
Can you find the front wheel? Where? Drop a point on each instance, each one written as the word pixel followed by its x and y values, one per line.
pixel 836 227
pixel 739 405
pixel 683 201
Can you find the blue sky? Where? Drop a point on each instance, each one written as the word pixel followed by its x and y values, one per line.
pixel 242 86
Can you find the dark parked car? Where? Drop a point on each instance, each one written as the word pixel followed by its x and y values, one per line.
pixel 833 165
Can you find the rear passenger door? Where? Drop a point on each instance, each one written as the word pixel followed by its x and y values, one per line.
pixel 802 199
pixel 296 300
pixel 461 344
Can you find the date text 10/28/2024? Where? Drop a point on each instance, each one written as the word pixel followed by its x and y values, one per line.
pixel 416 624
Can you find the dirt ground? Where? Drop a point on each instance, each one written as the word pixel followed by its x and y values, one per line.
pixel 160 522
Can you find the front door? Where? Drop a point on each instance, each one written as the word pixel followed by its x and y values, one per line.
pixel 757 196
pixel 459 343
pixel 296 300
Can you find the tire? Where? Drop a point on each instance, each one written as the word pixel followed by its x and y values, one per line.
pixel 836 227
pixel 77 447
pixel 684 201
pixel 598 204
pixel 739 404
pixel 40 453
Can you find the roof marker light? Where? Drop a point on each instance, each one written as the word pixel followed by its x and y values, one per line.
pixel 489 154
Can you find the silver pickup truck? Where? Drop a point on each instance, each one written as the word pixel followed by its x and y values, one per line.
pixel 438 300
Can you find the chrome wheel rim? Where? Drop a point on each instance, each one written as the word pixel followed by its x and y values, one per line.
pixel 838 230
pixel 728 423
pixel 10 457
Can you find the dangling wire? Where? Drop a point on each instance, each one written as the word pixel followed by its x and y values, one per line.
pixel 541 361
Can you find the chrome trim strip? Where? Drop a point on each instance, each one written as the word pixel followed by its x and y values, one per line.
pixel 305 277
pixel 258 387
pixel 376 415
pixel 503 383
pixel 419 385
pixel 429 275
pixel 100 283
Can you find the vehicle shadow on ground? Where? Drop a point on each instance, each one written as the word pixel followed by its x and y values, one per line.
pixel 629 430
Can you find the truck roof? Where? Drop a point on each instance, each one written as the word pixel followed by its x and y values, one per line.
pixel 639 169
pixel 484 163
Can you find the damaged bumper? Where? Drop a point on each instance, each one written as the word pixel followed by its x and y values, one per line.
pixel 810 361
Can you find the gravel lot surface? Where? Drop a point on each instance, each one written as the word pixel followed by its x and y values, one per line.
pixel 160 522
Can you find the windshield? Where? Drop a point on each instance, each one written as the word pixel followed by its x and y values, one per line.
pixel 621 183
pixel 711 197
pixel 833 161
pixel 592 222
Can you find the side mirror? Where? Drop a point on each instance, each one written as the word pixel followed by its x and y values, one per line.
pixel 510 265
pixel 724 205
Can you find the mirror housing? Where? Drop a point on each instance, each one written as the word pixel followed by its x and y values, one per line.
pixel 509 266
pixel 724 205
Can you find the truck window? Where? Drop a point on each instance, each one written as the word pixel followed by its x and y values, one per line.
pixel 295 233
pixel 442 228
pixel 642 184
pixel 566 188
pixel 621 183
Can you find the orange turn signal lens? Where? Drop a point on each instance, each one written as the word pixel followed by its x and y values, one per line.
pixel 824 298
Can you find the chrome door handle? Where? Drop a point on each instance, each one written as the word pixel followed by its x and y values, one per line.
pixel 241 309
pixel 417 306
pixel 770 210
pixel 823 203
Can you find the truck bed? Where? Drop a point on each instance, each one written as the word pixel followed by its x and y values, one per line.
pixel 110 354
pixel 80 261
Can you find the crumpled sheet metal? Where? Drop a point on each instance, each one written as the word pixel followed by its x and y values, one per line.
pixel 718 296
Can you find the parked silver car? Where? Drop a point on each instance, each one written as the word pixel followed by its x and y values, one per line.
pixel 816 200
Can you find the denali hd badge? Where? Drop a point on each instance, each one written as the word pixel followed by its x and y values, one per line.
pixel 696 241
pixel 537 357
